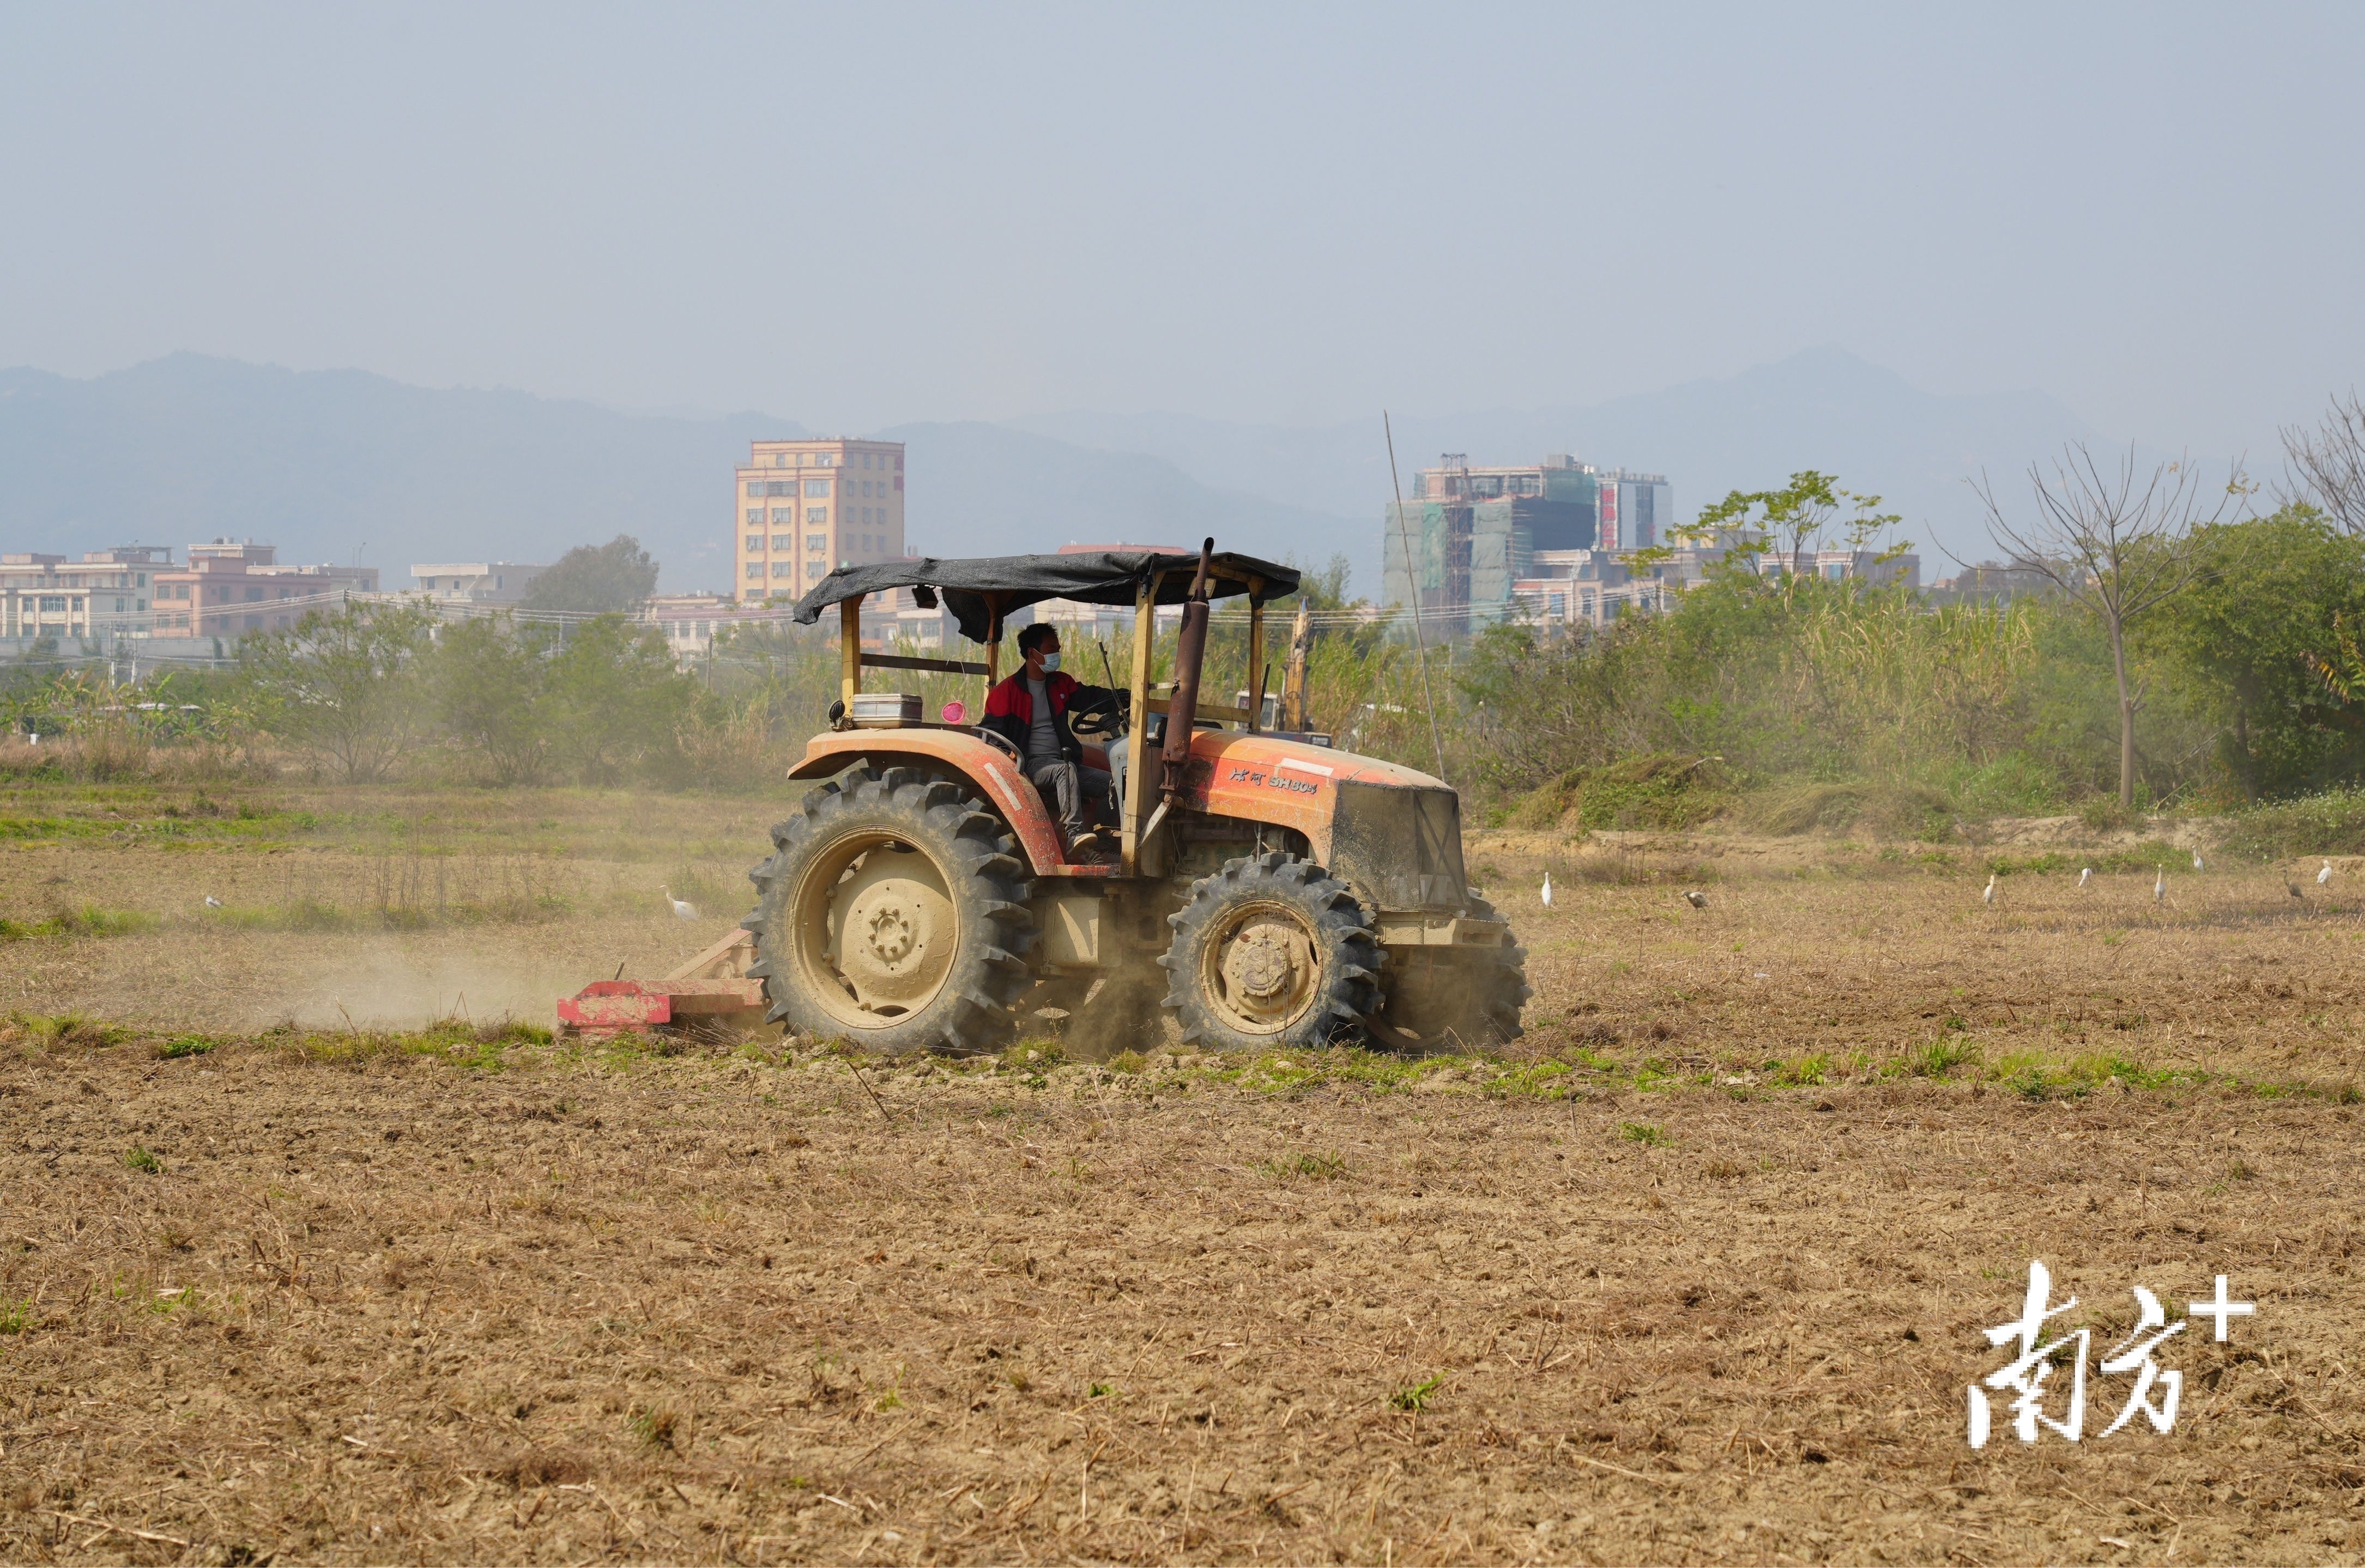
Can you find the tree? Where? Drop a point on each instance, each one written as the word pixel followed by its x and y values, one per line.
pixel 349 687
pixel 1800 517
pixel 491 686
pixel 2251 636
pixel 2326 464
pixel 615 696
pixel 595 579
pixel 2115 548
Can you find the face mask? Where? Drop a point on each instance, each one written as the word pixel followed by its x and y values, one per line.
pixel 1050 662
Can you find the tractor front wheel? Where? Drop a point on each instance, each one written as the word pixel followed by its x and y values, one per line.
pixel 1451 1000
pixel 893 914
pixel 1270 952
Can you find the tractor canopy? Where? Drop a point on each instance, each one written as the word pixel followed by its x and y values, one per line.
pixel 982 591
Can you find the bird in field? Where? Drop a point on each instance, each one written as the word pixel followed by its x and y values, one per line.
pixel 2159 885
pixel 1695 898
pixel 2196 860
pixel 1546 894
pixel 1988 895
pixel 2324 876
pixel 2085 876
pixel 2293 888
pixel 680 911
pixel 212 903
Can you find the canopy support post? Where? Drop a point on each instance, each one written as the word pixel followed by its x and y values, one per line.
pixel 1256 659
pixel 1134 808
pixel 849 654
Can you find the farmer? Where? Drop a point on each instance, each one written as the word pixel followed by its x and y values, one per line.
pixel 1030 711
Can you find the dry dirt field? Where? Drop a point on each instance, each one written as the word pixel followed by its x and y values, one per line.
pixel 1698 1271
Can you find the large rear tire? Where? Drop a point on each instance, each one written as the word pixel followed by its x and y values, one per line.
pixel 893 914
pixel 1270 952
pixel 1443 1000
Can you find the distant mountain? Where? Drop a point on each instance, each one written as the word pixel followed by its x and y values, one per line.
pixel 329 465
pixel 1820 409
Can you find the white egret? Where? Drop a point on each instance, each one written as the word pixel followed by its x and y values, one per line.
pixel 2196 860
pixel 2085 876
pixel 1546 894
pixel 2324 876
pixel 212 903
pixel 2159 886
pixel 1989 895
pixel 680 911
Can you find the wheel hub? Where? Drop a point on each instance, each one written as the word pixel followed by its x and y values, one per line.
pixel 1265 971
pixel 883 932
pixel 891 934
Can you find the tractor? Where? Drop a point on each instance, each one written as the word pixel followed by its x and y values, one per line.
pixel 921 898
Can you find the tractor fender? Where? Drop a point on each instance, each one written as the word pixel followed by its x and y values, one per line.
pixel 990 769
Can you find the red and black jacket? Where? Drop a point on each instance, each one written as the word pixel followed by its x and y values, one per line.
pixel 1010 709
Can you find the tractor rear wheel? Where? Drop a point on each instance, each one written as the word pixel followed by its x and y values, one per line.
pixel 1454 999
pixel 1270 952
pixel 893 914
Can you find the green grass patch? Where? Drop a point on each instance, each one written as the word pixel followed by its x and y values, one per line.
pixel 1942 1056
pixel 61 1031
pixel 1801 1072
pixel 140 1160
pixel 1650 1135
pixel 1418 1397
pixel 15 1316
pixel 88 921
pixel 181 1045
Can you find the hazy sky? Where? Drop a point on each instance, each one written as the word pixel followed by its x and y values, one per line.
pixel 858 215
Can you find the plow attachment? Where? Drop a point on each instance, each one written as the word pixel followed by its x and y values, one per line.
pixel 710 993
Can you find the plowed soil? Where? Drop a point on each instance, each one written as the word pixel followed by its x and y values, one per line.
pixel 1699 1269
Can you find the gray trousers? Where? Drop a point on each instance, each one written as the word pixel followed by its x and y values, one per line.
pixel 1073 785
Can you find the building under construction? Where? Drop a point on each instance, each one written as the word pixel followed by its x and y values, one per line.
pixel 1465 536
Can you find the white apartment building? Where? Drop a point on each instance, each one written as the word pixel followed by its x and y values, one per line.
pixel 462 584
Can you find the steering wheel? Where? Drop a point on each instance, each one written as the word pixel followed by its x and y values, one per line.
pixel 1099 715
pixel 1001 742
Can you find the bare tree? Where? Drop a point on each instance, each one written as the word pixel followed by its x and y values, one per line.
pixel 2326 464
pixel 2115 546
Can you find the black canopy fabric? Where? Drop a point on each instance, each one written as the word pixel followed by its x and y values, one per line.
pixel 980 589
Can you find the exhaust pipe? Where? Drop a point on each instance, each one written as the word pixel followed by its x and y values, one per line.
pixel 1190 652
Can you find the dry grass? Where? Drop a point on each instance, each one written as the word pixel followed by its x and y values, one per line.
pixel 1700 1271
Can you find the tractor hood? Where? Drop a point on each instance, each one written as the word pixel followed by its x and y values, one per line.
pixel 1392 834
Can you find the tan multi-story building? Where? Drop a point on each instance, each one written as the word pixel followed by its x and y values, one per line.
pixel 804 507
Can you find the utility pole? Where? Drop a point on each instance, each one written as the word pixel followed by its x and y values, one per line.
pixel 1412 586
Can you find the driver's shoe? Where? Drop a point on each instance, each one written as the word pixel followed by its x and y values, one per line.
pixel 1084 850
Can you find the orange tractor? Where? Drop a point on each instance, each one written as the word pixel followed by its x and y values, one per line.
pixel 923 897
